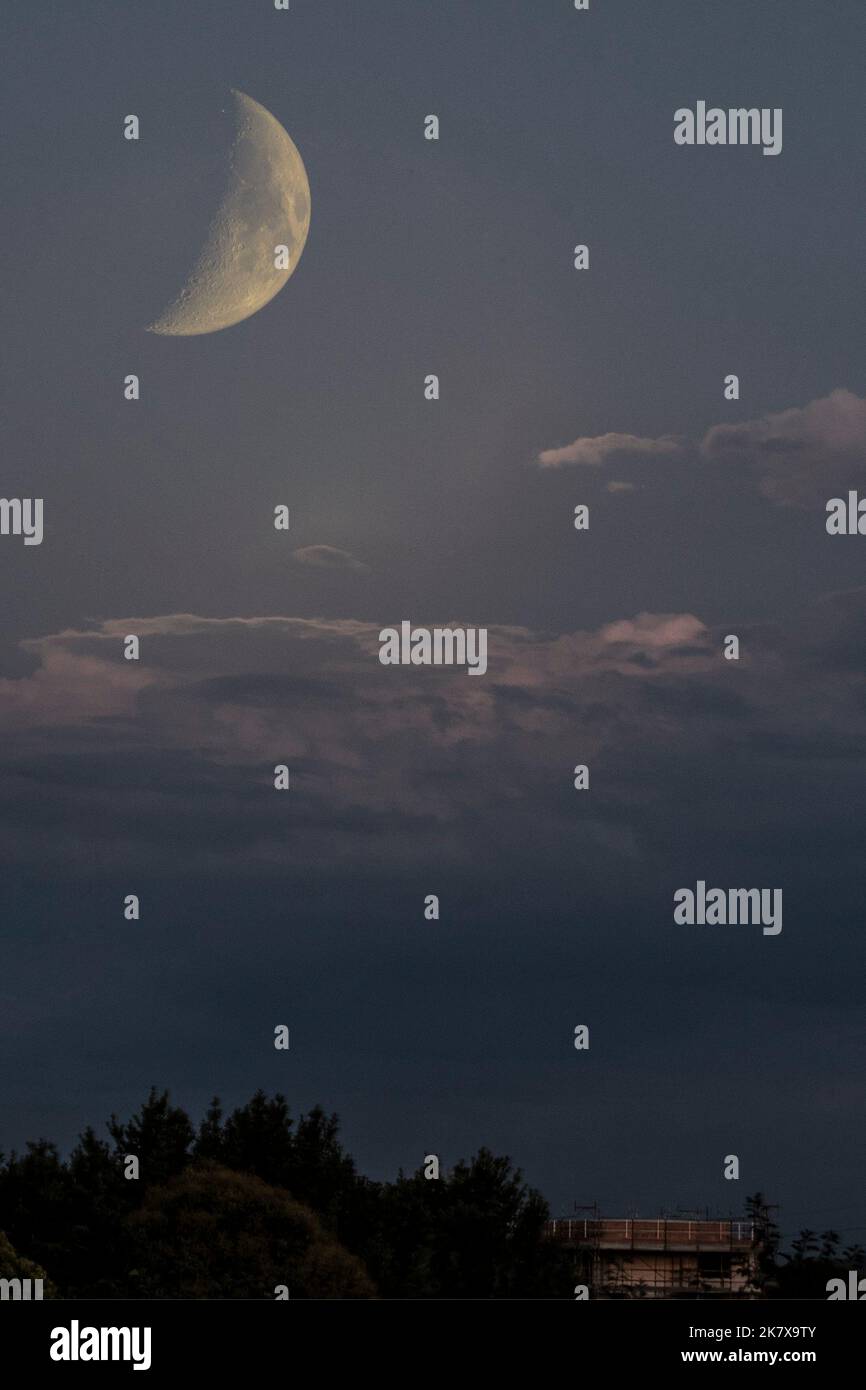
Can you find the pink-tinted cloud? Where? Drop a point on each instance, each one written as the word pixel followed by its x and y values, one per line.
pixel 215 703
pixel 593 451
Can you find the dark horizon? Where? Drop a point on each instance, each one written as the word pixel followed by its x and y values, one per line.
pixel 256 1203
pixel 589 1209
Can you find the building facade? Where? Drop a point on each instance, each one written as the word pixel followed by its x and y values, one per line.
pixel 660 1258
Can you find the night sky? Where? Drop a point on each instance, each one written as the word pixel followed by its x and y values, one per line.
pixel 605 646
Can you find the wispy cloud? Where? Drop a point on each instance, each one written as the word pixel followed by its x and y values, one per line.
pixel 797 458
pixel 329 557
pixel 592 451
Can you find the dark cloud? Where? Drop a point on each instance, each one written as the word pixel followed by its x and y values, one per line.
pixel 799 457
pixel 146 744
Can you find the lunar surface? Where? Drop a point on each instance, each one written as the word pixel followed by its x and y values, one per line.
pixel 266 206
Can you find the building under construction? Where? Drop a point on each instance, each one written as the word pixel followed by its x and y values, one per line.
pixel 680 1257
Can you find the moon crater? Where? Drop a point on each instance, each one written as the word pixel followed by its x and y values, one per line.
pixel 266 205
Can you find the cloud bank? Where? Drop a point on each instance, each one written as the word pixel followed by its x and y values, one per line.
pixel 180 747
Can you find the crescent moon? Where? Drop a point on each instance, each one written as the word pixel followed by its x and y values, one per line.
pixel 257 235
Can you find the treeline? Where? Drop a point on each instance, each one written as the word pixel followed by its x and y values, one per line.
pixel 253 1202
pixel 256 1205
pixel 806 1269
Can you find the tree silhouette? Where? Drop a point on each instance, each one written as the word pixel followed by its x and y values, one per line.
pixel 195 1223
pixel 477 1232
pixel 214 1233
pixel 14 1266
pixel 803 1272
pixel 160 1137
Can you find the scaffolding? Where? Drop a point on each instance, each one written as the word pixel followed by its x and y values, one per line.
pixel 661 1257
